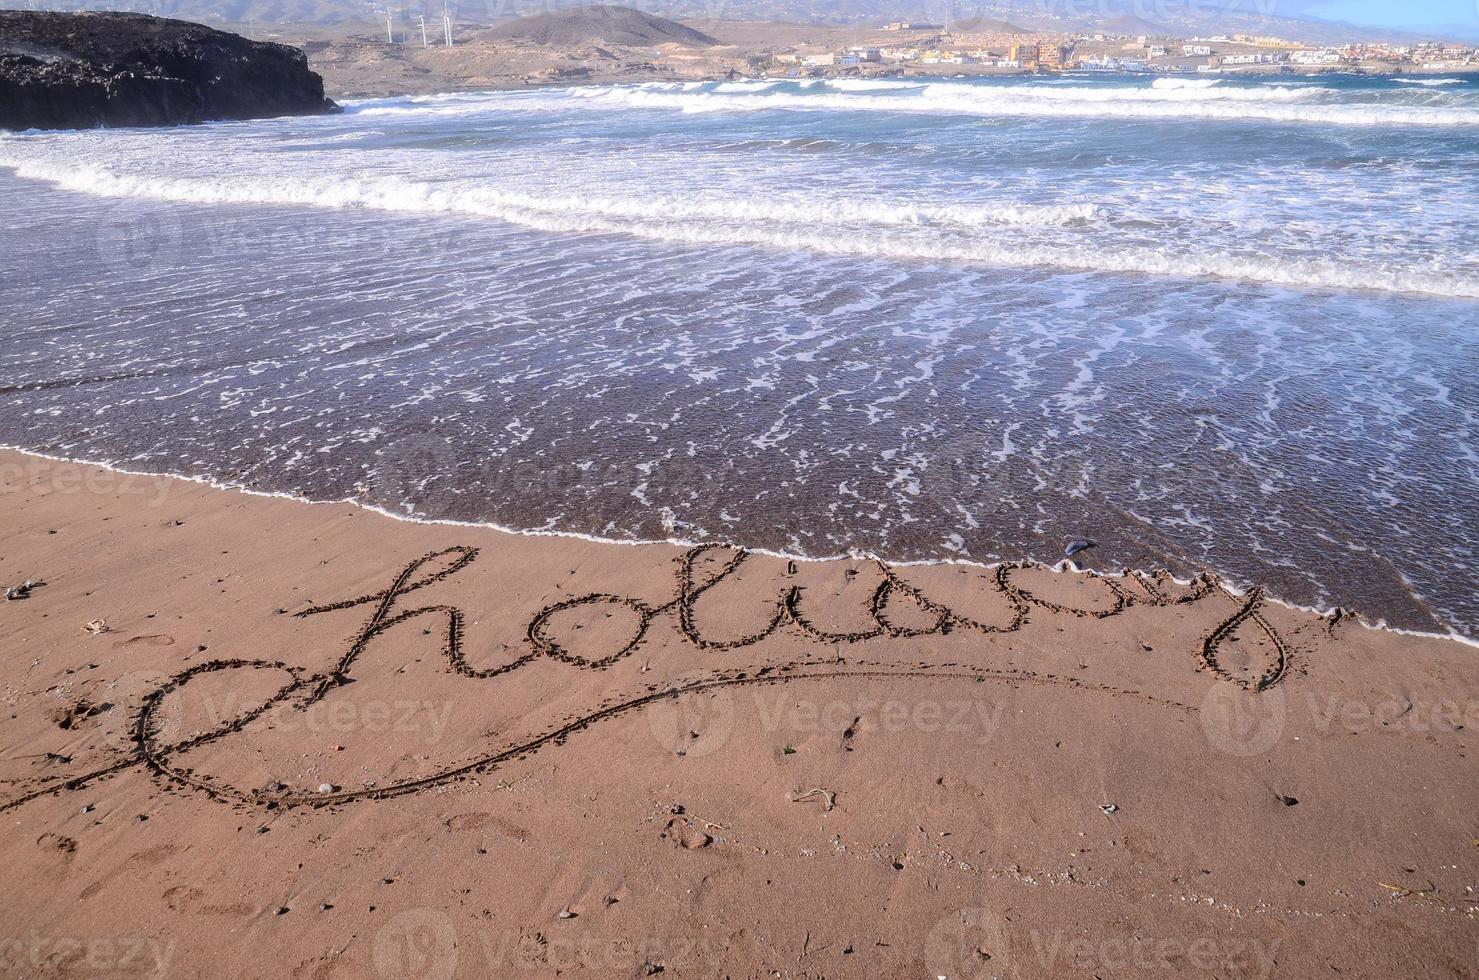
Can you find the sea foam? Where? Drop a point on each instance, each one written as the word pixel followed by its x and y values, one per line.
pixel 894 231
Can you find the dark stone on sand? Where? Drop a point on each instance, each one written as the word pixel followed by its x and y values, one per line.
pixel 79 71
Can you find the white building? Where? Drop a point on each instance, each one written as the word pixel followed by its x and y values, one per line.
pixel 1325 57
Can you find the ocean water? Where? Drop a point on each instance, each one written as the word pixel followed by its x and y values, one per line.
pixel 1207 322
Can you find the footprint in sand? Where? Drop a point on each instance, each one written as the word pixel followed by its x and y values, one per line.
pixel 479 820
pixel 56 842
pixel 151 640
pixel 182 898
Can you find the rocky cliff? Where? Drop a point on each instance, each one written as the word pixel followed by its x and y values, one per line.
pixel 74 71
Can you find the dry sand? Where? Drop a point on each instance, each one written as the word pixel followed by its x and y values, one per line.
pixel 835 770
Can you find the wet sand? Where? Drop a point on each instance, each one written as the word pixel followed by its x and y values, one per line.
pixel 251 736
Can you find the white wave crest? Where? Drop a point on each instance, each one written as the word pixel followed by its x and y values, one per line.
pixel 392 194
pixel 1185 83
pixel 821 228
pixel 1287 104
pixel 872 84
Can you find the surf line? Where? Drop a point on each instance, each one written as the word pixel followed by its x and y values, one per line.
pixel 156 756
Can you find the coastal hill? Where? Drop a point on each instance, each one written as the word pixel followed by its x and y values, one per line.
pixel 600 44
pixel 987 25
pixel 74 71
pixel 1131 25
pixel 599 24
pixel 1293 19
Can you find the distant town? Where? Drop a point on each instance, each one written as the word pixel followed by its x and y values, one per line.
pixel 926 47
pixel 402 54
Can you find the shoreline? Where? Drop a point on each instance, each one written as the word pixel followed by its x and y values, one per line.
pixel 1232 584
pixel 252 735
pixel 638 78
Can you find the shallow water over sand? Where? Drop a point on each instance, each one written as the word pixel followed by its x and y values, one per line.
pixel 1226 326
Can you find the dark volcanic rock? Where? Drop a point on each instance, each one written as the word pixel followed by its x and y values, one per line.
pixel 75 71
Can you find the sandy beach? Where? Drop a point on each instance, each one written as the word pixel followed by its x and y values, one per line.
pixel 733 499
pixel 251 736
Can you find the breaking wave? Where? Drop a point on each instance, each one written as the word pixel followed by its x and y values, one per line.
pixel 1181 98
pixel 1200 84
pixel 550 212
pixel 828 227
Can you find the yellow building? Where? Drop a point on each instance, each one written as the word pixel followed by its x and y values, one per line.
pixel 1051 56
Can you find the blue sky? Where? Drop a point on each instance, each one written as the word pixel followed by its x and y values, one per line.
pixel 1413 14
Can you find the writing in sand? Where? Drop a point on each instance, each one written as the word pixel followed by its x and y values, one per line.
pixel 894 610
